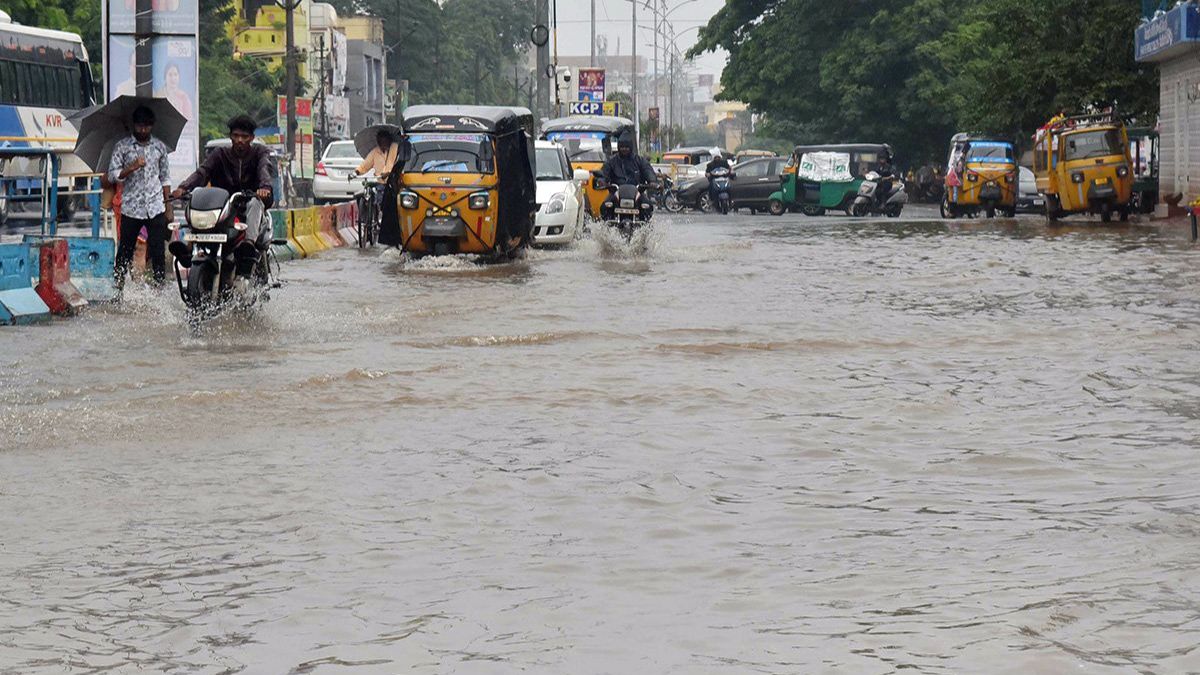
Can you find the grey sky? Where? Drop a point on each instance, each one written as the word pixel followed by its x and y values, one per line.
pixel 613 20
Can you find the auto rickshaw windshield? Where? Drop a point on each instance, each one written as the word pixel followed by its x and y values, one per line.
pixel 1088 144
pixel 991 152
pixel 581 146
pixel 447 153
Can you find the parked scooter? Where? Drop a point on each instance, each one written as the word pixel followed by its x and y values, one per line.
pixel 223 231
pixel 872 202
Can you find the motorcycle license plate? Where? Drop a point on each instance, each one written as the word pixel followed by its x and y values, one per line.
pixel 1039 202
pixel 627 212
pixel 192 238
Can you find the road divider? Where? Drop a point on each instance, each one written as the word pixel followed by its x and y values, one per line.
pixel 54 285
pixel 19 303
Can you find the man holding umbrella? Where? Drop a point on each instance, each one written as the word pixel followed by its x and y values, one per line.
pixel 140 163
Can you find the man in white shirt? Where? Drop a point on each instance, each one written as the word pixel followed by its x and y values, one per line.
pixel 140 164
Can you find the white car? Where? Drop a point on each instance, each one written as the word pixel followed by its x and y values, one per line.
pixel 330 180
pixel 560 194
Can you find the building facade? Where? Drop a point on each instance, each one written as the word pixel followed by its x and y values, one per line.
pixel 1171 39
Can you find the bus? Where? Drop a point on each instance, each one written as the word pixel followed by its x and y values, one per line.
pixel 45 77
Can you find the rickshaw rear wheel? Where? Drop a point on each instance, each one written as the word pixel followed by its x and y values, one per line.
pixel 1125 214
pixel 1052 214
pixel 813 211
pixel 991 212
pixel 948 211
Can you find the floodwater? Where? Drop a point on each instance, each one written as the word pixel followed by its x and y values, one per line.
pixel 768 445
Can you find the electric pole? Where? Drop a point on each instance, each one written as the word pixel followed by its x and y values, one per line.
pixel 593 61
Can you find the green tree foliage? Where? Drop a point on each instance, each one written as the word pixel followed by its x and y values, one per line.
pixel 228 86
pixel 912 72
pixel 455 51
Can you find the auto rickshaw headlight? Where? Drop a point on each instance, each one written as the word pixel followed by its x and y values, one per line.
pixel 480 201
pixel 408 200
pixel 1122 171
pixel 973 177
pixel 1077 177
pixel 429 212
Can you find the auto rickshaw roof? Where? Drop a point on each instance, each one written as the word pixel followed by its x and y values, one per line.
pixel 588 123
pixel 467 118
pixel 983 138
pixel 847 147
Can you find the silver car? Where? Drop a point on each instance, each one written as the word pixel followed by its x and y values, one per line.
pixel 1029 200
pixel 331 180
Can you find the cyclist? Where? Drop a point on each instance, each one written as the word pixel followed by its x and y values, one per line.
pixel 382 160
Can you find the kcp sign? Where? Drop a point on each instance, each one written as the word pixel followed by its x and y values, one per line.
pixel 586 108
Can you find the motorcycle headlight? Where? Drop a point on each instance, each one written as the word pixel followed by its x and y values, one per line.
pixel 1077 177
pixel 202 220
pixel 479 201
pixel 1122 172
pixel 408 200
pixel 558 204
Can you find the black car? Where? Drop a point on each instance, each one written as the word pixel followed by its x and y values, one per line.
pixel 753 182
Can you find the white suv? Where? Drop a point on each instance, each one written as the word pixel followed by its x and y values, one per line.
pixel 330 180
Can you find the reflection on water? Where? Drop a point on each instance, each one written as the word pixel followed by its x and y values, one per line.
pixel 771 445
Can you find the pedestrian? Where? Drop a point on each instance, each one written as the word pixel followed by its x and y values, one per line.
pixel 382 160
pixel 140 166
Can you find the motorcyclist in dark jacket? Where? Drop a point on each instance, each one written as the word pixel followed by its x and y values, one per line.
pixel 718 161
pixel 626 168
pixel 241 166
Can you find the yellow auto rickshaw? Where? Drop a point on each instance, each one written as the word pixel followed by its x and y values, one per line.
pixel 589 141
pixel 1082 165
pixel 981 175
pixel 467 183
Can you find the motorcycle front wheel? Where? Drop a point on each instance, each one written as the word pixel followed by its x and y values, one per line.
pixel 672 204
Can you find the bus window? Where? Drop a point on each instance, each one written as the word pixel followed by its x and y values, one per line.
pixel 8 84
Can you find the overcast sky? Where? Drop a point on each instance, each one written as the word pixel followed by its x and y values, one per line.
pixel 613 18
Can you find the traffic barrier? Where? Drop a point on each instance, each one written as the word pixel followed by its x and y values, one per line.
pixel 279 233
pixel 302 222
pixel 312 215
pixel 19 303
pixel 54 285
pixel 92 261
pixel 326 227
pixel 293 235
pixel 347 228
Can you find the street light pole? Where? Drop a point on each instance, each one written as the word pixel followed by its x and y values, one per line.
pixel 637 118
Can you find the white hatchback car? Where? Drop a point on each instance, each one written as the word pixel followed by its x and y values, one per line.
pixel 330 180
pixel 560 193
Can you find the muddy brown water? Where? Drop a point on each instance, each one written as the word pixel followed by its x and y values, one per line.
pixel 766 446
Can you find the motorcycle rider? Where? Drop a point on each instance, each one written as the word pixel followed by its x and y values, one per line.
pixel 718 161
pixel 241 166
pixel 626 168
pixel 883 189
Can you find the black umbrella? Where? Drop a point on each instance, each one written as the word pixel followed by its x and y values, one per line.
pixel 364 141
pixel 101 126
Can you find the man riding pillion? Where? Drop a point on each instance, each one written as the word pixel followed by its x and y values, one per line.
pixel 242 166
pixel 626 168
pixel 718 162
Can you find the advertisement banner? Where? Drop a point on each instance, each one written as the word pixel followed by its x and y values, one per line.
pixel 1170 34
pixel 175 66
pixel 302 162
pixel 591 84
pixel 172 17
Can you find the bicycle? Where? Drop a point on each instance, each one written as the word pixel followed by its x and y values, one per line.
pixel 369 212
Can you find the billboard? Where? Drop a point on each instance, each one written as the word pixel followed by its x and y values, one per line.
pixel 175 68
pixel 303 165
pixel 591 84
pixel 174 65
pixel 1169 35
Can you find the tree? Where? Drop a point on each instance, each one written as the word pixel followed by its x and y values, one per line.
pixel 231 87
pixel 912 72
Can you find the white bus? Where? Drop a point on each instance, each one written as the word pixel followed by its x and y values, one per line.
pixel 44 78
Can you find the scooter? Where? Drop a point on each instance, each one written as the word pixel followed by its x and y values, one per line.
pixel 214 242
pixel 721 178
pixel 869 203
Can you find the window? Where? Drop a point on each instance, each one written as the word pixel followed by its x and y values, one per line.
pixel 753 169
pixel 1089 144
pixel 1039 156
pixel 8 82
pixel 550 165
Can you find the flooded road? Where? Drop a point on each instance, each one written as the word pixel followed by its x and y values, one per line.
pixel 771 445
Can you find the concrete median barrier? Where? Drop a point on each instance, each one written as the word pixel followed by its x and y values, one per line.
pixel 279 233
pixel 19 302
pixel 347 227
pixel 327 226
pixel 54 285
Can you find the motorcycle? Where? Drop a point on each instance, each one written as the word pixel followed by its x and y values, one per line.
pixel 720 179
pixel 212 246
pixel 631 209
pixel 869 203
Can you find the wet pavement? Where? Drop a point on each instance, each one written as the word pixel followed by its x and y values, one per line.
pixel 766 445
